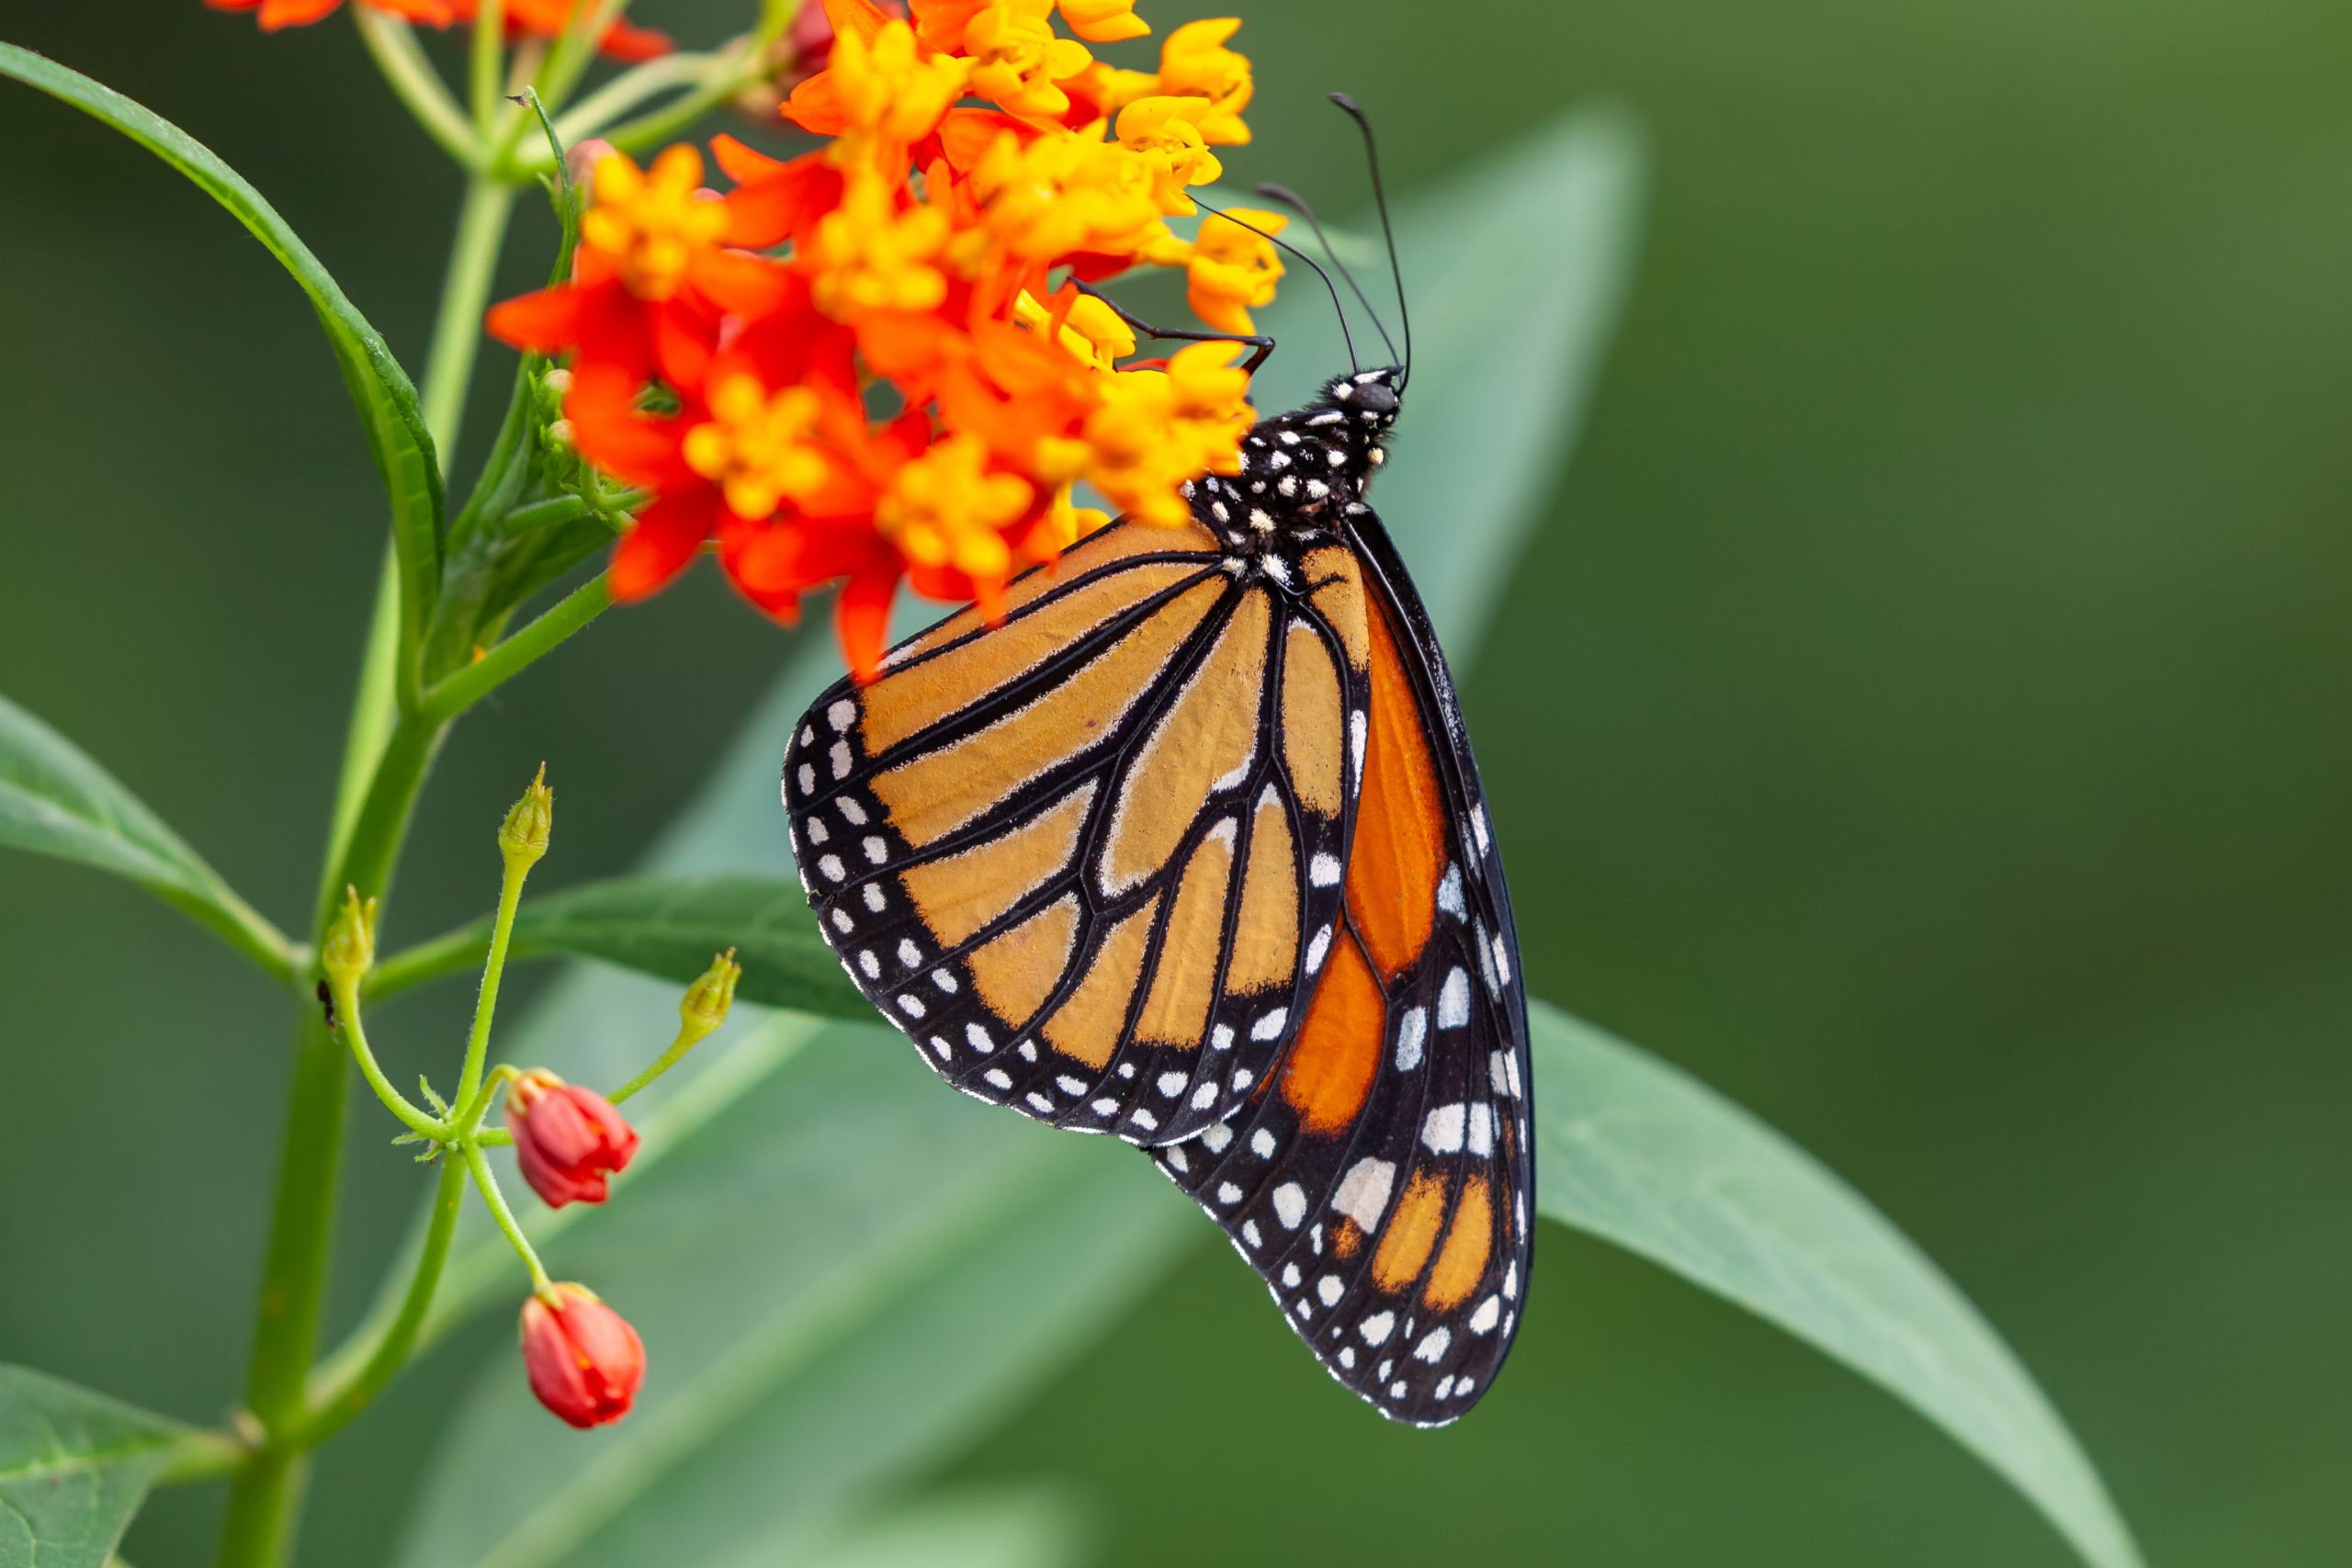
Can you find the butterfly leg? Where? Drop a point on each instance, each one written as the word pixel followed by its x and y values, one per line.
pixel 1260 343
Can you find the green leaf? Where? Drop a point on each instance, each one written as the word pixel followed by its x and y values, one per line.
pixel 387 402
pixel 54 800
pixel 998 1530
pixel 670 927
pixel 1517 271
pixel 1635 1152
pixel 74 1466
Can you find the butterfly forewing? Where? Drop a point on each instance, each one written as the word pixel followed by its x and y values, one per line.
pixel 1383 1182
pixel 1078 854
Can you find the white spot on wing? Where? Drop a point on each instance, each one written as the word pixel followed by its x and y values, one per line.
pixel 1411 1030
pixel 1363 1194
pixel 1453 1000
pixel 1442 1129
pixel 1290 1205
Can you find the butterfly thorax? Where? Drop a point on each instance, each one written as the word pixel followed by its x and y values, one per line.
pixel 1300 473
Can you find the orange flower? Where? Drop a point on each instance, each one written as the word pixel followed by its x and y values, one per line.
pixel 1016 57
pixel 545 19
pixel 1229 266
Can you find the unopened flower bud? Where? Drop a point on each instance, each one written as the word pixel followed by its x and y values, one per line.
pixel 558 382
pixel 585 1362
pixel 705 1006
pixel 350 948
pixel 524 837
pixel 582 160
pixel 568 1139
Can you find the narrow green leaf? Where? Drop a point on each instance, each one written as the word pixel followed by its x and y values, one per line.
pixel 386 400
pixel 1638 1154
pixel 997 1529
pixel 668 926
pixel 74 1466
pixel 54 800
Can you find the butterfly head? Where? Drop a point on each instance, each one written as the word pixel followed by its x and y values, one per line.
pixel 1302 469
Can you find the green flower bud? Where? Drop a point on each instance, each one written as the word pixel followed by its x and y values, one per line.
pixel 350 947
pixel 707 999
pixel 524 837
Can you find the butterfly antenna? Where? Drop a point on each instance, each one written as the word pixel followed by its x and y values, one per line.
pixel 1297 203
pixel 1345 336
pixel 1387 232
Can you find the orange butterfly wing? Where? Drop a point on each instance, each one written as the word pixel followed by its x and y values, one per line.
pixel 1383 1184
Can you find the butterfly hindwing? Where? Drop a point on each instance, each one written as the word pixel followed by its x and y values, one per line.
pixel 1078 855
pixel 1382 1184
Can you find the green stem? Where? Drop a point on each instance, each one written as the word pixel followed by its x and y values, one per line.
pixel 465 292
pixel 347 1384
pixel 370 726
pixel 414 82
pixel 687 1039
pixel 466 685
pixel 488 57
pixel 242 926
pixel 203 1456
pixel 501 930
pixel 632 87
pixel 574 51
pixel 265 1499
pixel 347 1002
pixel 477 1162
pixel 452 953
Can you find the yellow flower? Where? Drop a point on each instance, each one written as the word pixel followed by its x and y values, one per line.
pixel 1156 429
pixel 867 256
pixel 1061 194
pixel 888 88
pixel 1194 63
pixel 756 445
pixel 1211 397
pixel 653 223
pixel 1165 132
pixel 1227 268
pixel 1092 333
pixel 1062 525
pixel 946 509
pixel 1104 21
pixel 1016 59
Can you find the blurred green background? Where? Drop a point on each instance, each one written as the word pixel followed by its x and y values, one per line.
pixel 1922 716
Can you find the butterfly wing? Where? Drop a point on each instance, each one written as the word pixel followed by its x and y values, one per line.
pixel 1382 1183
pixel 1075 855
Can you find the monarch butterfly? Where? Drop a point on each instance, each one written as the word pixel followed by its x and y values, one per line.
pixel 1188 847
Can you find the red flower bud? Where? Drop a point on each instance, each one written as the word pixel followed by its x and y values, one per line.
pixel 567 1138
pixel 584 1360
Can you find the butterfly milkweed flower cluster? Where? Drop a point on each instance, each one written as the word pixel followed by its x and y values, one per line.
pixel 537 18
pixel 874 362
